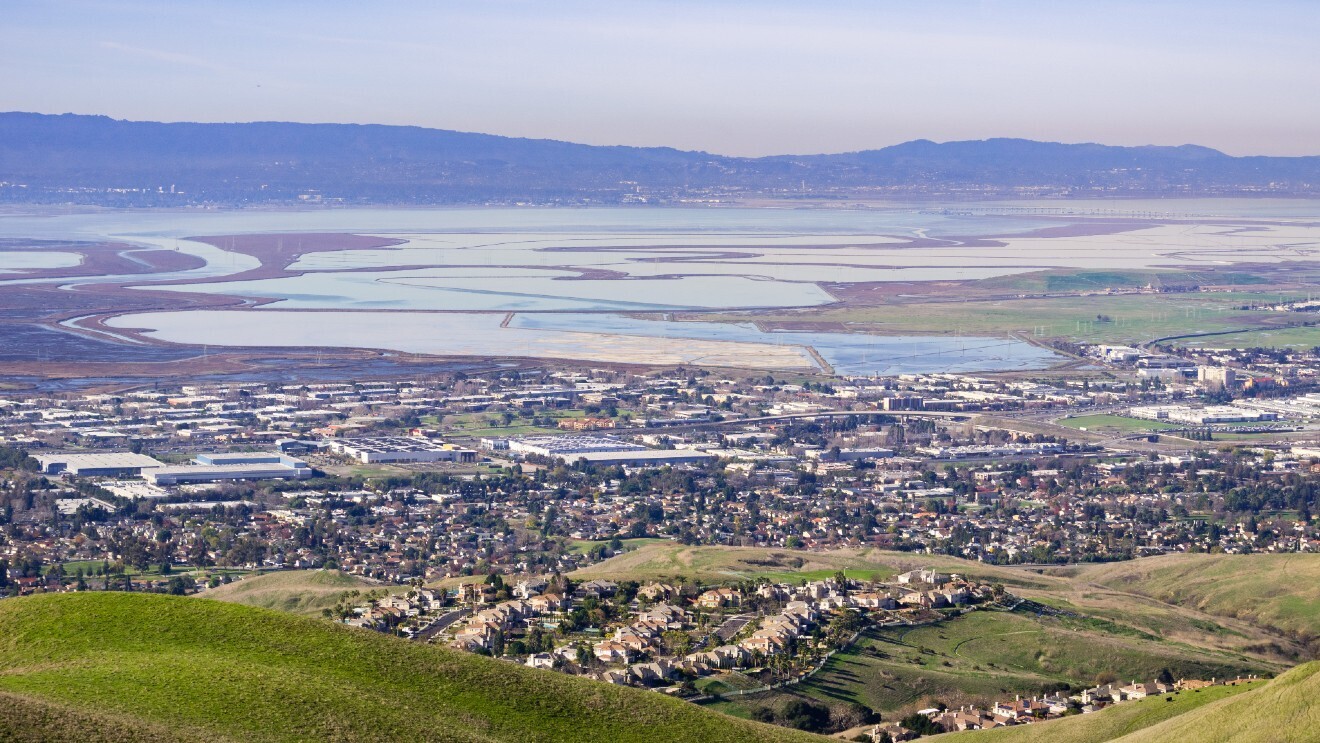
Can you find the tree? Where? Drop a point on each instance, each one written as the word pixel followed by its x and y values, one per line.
pixel 920 724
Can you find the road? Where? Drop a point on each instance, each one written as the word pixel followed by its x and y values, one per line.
pixel 732 626
pixel 443 623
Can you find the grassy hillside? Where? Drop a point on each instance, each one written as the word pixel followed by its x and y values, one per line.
pixel 1281 592
pixel 668 560
pixel 988 656
pixel 1112 723
pixel 1166 616
pixel 31 720
pixel 1282 711
pixel 144 666
pixel 304 592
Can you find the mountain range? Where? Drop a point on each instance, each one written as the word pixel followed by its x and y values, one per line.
pixel 72 158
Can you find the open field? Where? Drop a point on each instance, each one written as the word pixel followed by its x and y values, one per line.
pixel 1295 337
pixel 1113 423
pixel 153 663
pixel 304 592
pixel 1118 721
pixel 985 656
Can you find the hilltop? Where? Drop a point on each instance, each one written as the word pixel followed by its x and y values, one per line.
pixel 96 159
pixel 152 667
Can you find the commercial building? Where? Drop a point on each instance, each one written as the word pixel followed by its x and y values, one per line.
pixel 401 449
pixel 1216 377
pixel 103 464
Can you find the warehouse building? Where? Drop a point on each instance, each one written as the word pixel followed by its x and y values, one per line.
pixel 602 450
pixel 641 457
pixel 566 447
pixel 248 457
pixel 100 464
pixel 401 449
pixel 205 473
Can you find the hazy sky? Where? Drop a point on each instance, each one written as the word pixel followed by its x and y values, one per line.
pixel 741 78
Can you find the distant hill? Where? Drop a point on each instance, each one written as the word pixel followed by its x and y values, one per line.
pixel 142 667
pixel 98 160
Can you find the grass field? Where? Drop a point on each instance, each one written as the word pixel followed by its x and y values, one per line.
pixel 1297 337
pixel 153 665
pixel 1114 423
pixel 304 592
pixel 1112 723
pixel 986 656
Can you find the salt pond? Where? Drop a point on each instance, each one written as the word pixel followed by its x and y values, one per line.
pixel 24 260
pixel 464 268
pixel 589 337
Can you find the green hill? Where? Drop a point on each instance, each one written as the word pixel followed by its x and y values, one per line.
pixel 115 666
pixel 1280 592
pixel 304 592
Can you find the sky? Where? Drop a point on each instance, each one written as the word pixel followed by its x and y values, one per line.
pixel 723 76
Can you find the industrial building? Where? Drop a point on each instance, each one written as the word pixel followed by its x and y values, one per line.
pixel 604 450
pixel 566 447
pixel 401 449
pixel 203 473
pixel 1206 416
pixel 248 457
pixel 102 464
pixel 641 457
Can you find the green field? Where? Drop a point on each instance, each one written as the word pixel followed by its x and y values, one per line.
pixel 1114 423
pixel 304 592
pixel 1295 337
pixel 153 667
